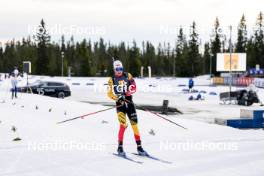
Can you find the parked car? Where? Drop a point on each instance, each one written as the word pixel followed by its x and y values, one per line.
pixel 47 88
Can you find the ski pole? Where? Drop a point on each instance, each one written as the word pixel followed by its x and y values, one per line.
pixel 85 115
pixel 154 113
pixel 164 118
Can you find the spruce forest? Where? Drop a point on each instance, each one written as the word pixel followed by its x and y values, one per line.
pixel 87 58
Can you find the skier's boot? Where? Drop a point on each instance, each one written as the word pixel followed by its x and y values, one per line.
pixel 140 150
pixel 120 149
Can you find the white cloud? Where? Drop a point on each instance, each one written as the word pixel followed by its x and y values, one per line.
pixel 124 19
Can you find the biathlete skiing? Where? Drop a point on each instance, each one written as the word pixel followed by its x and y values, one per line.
pixel 121 86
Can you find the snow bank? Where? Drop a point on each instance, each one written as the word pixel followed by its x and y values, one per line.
pixel 85 146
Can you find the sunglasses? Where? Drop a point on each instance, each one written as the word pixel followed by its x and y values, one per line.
pixel 119 69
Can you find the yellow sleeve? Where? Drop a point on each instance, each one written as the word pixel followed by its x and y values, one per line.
pixel 110 89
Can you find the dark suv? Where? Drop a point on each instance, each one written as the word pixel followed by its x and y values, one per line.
pixel 48 88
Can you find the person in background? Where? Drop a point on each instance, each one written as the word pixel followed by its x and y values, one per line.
pixel 16 72
pixel 14 85
pixel 191 84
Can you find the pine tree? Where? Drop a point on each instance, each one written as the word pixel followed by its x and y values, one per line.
pixel 85 57
pixel 42 38
pixel 62 52
pixel 206 58
pixel 122 53
pixel 194 57
pixel 70 54
pixel 215 44
pixel 163 62
pixel 105 60
pixel 150 57
pixel 1 59
pixel 251 53
pixel 259 40
pixel 54 62
pixel 241 36
pixel 134 60
pixel 181 54
pixel 10 59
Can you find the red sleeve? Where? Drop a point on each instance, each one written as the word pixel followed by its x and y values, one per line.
pixel 132 87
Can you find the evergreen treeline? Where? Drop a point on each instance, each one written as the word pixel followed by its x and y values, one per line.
pixel 88 58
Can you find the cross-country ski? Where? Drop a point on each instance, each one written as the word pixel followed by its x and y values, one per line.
pixel 153 158
pixel 127 158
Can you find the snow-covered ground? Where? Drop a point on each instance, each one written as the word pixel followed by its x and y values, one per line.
pixel 85 146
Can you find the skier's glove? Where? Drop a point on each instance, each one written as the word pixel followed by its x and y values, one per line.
pixel 121 99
